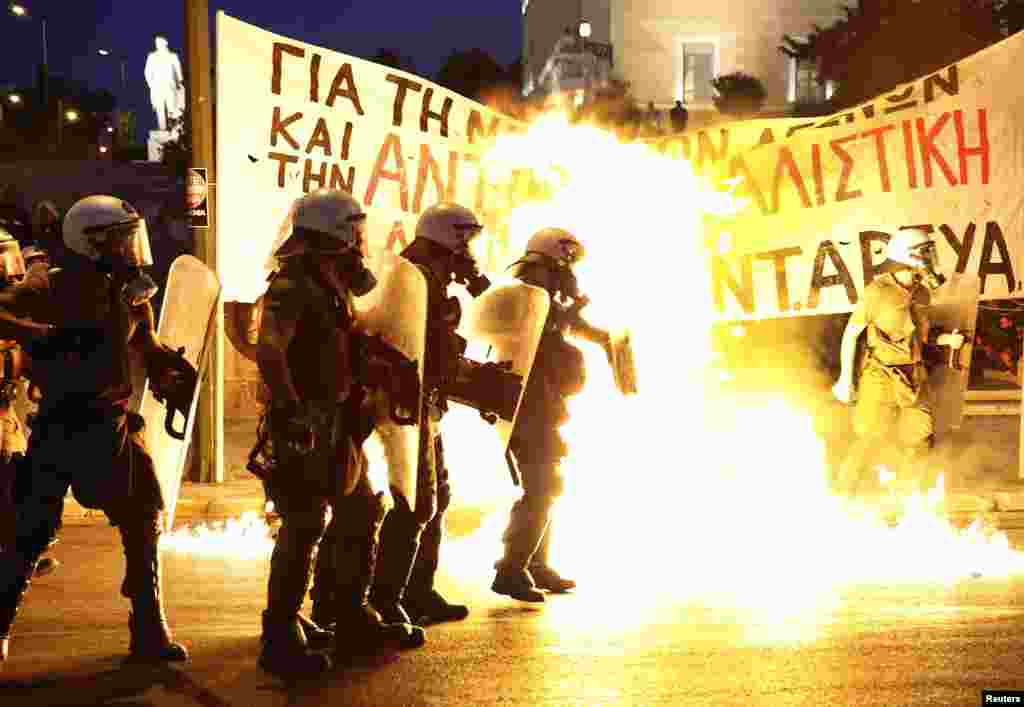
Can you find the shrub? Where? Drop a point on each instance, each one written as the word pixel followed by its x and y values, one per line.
pixel 738 94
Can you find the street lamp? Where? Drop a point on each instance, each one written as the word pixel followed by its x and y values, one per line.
pixel 584 29
pixel 21 11
pixel 14 99
pixel 71 115
pixel 124 67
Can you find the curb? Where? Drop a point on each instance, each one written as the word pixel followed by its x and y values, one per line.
pixel 212 503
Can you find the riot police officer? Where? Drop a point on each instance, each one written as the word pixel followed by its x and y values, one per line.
pixel 309 451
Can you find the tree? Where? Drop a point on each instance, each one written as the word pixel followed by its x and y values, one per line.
pixel 395 59
pixel 471 73
pixel 739 94
pixel 872 49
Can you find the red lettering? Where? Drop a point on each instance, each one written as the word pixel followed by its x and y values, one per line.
pixel 908 149
pixel 344 85
pixel 428 164
pixel 314 78
pixel 281 49
pixel 392 146
pixel 819 178
pixel 930 152
pixel 981 150
pixel 426 115
pixel 308 176
pixel 841 193
pixel 321 138
pixel 738 168
pixel 475 126
pixel 402 87
pixel 787 164
pixel 883 162
pixel 283 161
pixel 705 148
pixel 280 127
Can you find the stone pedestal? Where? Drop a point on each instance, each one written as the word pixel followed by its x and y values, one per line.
pixel 157 140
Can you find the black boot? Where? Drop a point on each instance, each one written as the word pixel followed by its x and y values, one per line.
pixel 526 525
pixel 422 601
pixel 366 632
pixel 397 548
pixel 516 583
pixel 317 637
pixel 324 581
pixel 14 583
pixel 285 651
pixel 543 575
pixel 150 636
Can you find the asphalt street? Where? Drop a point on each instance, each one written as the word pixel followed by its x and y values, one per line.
pixel 922 645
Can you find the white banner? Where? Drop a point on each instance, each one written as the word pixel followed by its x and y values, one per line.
pixel 945 152
pixel 293 117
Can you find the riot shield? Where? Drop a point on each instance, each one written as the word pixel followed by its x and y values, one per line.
pixel 620 353
pixel 509 320
pixel 954 308
pixel 186 319
pixel 396 311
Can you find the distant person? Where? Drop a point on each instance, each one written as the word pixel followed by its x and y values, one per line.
pixel 653 119
pixel 679 117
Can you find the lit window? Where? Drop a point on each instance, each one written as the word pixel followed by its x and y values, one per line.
pixel 803 82
pixel 698 72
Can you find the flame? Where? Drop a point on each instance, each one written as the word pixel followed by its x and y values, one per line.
pixel 247 537
pixel 683 492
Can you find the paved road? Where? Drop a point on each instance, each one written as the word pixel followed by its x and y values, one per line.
pixel 872 646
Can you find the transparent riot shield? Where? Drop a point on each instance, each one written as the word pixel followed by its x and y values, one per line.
pixel 954 308
pixel 396 311
pixel 508 320
pixel 186 320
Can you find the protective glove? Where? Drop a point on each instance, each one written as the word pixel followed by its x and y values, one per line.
pixel 12 436
pixel 293 429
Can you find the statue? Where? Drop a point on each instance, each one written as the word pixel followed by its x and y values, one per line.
pixel 166 85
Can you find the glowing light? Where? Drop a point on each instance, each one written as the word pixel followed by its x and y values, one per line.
pixel 110 128
pixel 663 485
pixel 724 243
pixel 103 148
pixel 585 29
pixel 247 537
pixel 739 331
pixel 19 10
pixel 71 115
pixel 103 52
pixel 14 98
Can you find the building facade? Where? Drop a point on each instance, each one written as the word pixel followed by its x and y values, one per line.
pixel 669 50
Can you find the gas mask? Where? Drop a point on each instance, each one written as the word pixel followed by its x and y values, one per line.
pixel 465 272
pixel 360 278
pixel 927 257
pixel 138 288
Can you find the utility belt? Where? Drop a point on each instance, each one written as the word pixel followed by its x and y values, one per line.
pixel 906 372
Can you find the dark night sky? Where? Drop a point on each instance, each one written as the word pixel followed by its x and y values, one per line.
pixel 425 31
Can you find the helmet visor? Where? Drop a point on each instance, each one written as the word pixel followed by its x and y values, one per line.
pixel 126 242
pixel 572 253
pixel 468 233
pixel 926 254
pixel 11 260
